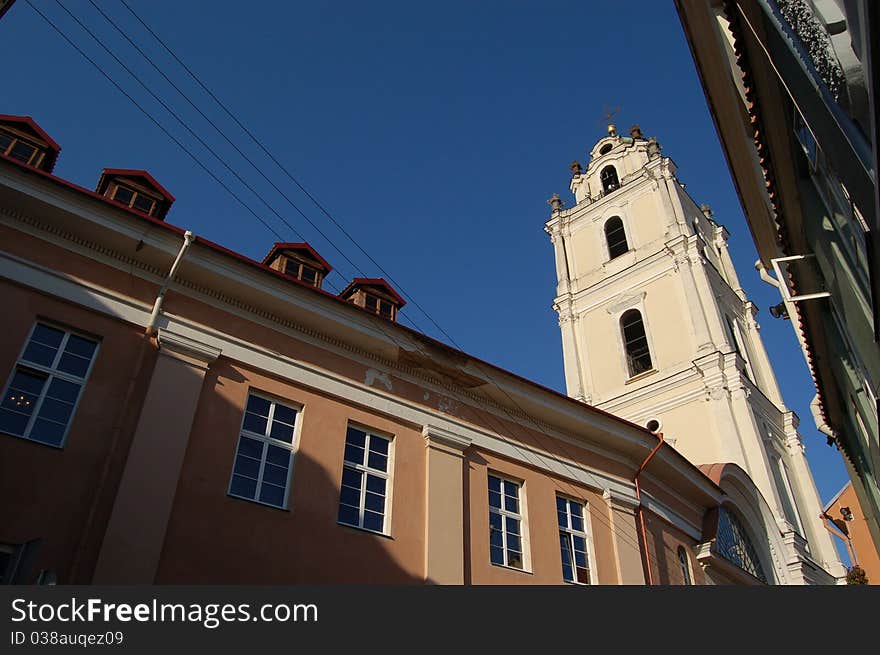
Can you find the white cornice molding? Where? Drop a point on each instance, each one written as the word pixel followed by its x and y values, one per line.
pixel 446 440
pixel 178 344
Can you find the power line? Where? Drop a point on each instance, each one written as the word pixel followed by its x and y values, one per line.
pixel 491 380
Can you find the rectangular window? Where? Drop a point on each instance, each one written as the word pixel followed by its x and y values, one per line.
pixel 264 454
pixel 363 496
pixel 41 396
pixel 505 523
pixel 573 540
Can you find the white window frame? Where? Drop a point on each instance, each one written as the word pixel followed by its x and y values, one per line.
pixel 51 372
pixel 505 514
pixel 293 447
pixel 684 566
pixel 585 534
pixel 365 470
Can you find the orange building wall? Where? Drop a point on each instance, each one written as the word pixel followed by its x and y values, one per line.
pixel 862 543
pixel 62 495
pixel 664 541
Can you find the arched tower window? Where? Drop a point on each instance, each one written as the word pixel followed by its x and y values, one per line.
pixel 685 566
pixel 615 237
pixel 609 180
pixel 635 342
pixel 734 544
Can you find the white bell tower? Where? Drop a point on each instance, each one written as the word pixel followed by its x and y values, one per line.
pixel 657 329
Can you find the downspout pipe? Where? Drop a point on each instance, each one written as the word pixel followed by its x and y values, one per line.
pixel 844 537
pixel 649 575
pixel 188 238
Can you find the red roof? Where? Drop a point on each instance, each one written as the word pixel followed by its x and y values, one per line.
pixel 31 125
pixel 144 175
pixel 359 282
pixel 279 246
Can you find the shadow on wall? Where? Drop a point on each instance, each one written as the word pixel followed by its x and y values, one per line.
pixel 214 538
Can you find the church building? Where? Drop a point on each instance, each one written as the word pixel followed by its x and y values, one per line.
pixel 657 329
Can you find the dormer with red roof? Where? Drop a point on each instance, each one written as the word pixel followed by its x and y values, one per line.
pixel 24 141
pixel 135 189
pixel 298 260
pixel 375 295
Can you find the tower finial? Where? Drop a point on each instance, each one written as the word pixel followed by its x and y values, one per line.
pixel 555 202
pixel 608 119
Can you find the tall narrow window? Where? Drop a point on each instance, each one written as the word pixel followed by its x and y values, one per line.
pixel 684 566
pixel 609 180
pixel 363 497
pixel 783 484
pixel 573 540
pixel 45 386
pixel 635 341
pixel 615 237
pixel 264 453
pixel 505 523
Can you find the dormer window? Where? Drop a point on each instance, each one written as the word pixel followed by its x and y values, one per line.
pixel 609 180
pixel 300 261
pixel 303 272
pixel 134 199
pixel 378 306
pixel 374 295
pixel 22 140
pixel 135 189
pixel 18 149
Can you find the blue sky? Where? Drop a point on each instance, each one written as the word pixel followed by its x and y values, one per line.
pixel 433 132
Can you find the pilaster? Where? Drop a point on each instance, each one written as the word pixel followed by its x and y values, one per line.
pixel 627 552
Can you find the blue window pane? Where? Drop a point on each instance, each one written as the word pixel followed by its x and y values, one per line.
pixel 269 493
pixel 562 519
pixel 374 502
pixel 514 559
pixel 513 543
pixel 250 447
pixel 354 454
pixel 378 445
pixel 378 462
pixel 356 437
pixel 580 558
pixel 47 432
pixel 373 521
pixel 375 484
pixel 244 487
pixel 279 456
pixel 580 543
pixel 577 523
pixel 496 555
pixel 285 414
pixel 247 467
pixel 254 423
pixel 47 335
pixel 79 346
pixel 495 521
pixel 511 489
pixel 350 496
pixel 494 484
pixel 56 410
pixel 512 526
pixel 561 504
pixel 13 422
pixel 64 390
pixel 275 474
pixel 39 354
pixel 258 405
pixel 351 478
pixel 511 504
pixel 19 400
pixel 282 432
pixel 348 515
pixel 28 381
pixel 567 573
pixel 496 538
pixel 74 365
pixel 494 499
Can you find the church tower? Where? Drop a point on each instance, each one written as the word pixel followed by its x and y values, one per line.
pixel 657 329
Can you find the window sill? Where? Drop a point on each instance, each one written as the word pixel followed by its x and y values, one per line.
pixel 258 502
pixel 511 568
pixel 365 530
pixel 640 376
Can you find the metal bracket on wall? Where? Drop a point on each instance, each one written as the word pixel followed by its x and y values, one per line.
pixel 786 293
